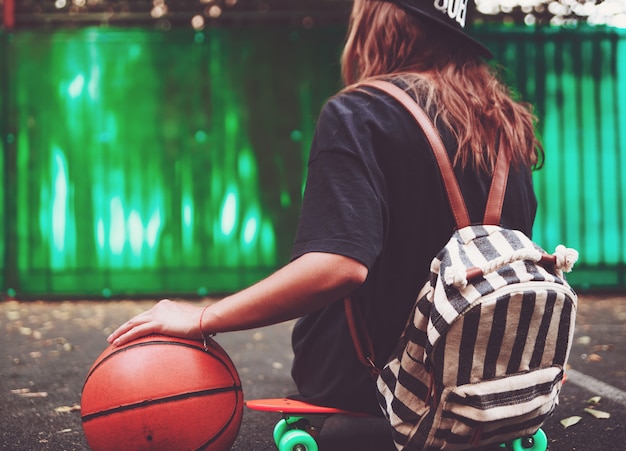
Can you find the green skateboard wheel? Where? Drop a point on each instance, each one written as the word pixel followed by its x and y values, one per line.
pixel 536 442
pixel 279 430
pixel 297 440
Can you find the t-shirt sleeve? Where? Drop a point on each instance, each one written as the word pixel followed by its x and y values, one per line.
pixel 343 205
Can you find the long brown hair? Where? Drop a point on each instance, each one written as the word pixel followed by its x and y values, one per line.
pixel 463 90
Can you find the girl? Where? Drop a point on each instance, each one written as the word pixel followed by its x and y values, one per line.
pixel 375 211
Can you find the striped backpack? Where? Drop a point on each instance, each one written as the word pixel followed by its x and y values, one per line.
pixel 482 358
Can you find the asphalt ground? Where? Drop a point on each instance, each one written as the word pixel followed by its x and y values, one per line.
pixel 46 349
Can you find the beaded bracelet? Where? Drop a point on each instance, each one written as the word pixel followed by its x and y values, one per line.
pixel 204 337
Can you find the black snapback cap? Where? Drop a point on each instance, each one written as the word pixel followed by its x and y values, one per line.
pixel 452 14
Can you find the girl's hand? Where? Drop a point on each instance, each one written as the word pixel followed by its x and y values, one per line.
pixel 177 319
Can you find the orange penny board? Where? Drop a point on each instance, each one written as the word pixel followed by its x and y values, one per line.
pixel 291 406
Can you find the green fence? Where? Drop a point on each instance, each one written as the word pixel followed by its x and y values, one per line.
pixel 576 79
pixel 150 163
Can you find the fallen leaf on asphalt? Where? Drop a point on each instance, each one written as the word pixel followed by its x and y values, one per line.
pixel 26 393
pixel 36 394
pixel 26 330
pixel 19 391
pixel 594 358
pixel 65 409
pixel 13 315
pixel 584 340
pixel 594 400
pixel 599 348
pixel 570 421
pixel 598 413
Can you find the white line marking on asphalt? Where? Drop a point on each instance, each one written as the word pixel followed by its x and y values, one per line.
pixel 596 386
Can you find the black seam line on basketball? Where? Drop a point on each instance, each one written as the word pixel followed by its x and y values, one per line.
pixel 137 345
pixel 150 402
pixel 147 343
pixel 221 432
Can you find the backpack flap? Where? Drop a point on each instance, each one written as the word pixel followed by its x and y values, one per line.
pixel 490 257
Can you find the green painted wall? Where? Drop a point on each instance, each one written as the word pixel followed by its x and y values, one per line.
pixel 143 162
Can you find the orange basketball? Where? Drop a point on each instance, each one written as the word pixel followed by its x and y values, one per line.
pixel 162 393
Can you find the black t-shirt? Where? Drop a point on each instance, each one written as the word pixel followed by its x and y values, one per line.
pixel 374 193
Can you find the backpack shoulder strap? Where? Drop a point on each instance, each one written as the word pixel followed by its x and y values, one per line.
pixel 459 210
pixel 495 200
pixel 360 337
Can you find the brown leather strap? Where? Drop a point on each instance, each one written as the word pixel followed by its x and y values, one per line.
pixel 493 210
pixel 457 204
pixel 360 337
